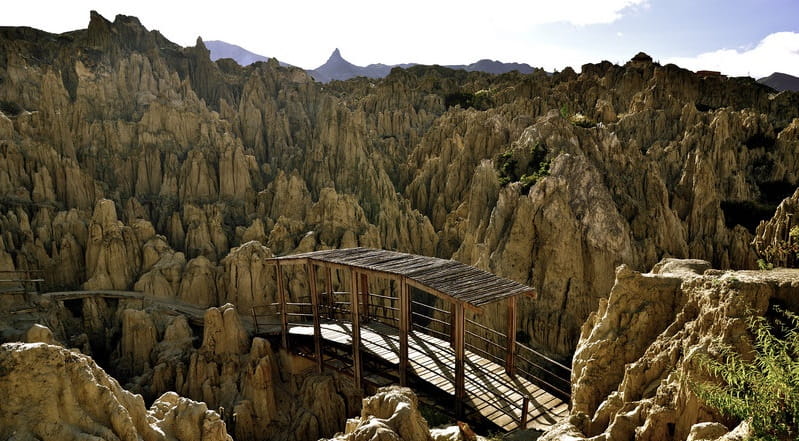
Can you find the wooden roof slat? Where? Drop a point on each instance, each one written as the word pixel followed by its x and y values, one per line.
pixel 449 279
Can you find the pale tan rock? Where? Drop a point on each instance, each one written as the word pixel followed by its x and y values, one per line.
pixel 54 394
pixel 40 334
pixel 773 240
pixel 224 333
pixel 113 256
pixel 636 361
pixel 139 337
pixel 707 432
pixel 144 230
pixel 254 232
pixel 391 414
pixel 248 280
pixel 234 172
pixel 205 235
pixel 198 284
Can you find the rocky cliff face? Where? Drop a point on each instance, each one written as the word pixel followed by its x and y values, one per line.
pixel 51 393
pixel 128 162
pixel 260 394
pixel 639 353
pixel 777 240
pixel 392 414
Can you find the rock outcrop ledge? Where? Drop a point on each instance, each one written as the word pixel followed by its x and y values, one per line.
pixel 639 353
pixel 51 393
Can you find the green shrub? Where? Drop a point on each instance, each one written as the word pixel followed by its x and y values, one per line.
pixel 530 166
pixel 765 389
pixel 764 266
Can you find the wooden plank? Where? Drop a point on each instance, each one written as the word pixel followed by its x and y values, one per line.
pixel 447 278
pixel 440 294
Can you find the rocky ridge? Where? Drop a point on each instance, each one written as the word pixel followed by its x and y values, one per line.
pixel 639 353
pixel 52 393
pixel 260 394
pixel 210 167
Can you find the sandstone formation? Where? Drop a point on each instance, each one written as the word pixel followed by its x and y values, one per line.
pixel 259 393
pixel 774 239
pixel 392 414
pixel 128 162
pixel 51 393
pixel 638 354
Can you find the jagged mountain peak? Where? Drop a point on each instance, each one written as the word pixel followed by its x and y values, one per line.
pixel 335 56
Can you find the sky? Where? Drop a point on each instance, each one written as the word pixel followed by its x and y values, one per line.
pixel 736 37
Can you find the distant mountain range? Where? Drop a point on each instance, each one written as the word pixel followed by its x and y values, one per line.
pixel 337 68
pixel 780 81
pixel 220 49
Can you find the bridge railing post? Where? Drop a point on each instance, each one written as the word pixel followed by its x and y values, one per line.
pixel 317 327
pixel 284 323
pixel 364 298
pixel 460 373
pixel 331 298
pixel 405 326
pixel 525 412
pixel 510 354
pixel 357 367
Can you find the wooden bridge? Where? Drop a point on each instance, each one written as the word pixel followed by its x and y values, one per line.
pixel 422 320
pixel 24 281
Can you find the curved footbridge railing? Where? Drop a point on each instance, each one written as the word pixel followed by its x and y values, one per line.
pixel 430 319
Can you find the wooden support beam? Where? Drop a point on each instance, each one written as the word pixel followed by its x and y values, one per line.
pixel 452 319
pixel 510 355
pixel 460 372
pixel 525 412
pixel 357 366
pixel 284 318
pixel 317 328
pixel 364 297
pixel 330 298
pixel 254 320
pixel 405 327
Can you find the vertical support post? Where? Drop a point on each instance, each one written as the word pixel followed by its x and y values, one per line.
pixel 453 318
pixel 525 412
pixel 510 354
pixel 254 320
pixel 357 367
pixel 330 297
pixel 317 328
pixel 26 282
pixel 284 318
pixel 405 325
pixel 365 298
pixel 460 373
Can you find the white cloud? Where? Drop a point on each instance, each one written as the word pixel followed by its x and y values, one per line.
pixel 367 31
pixel 778 52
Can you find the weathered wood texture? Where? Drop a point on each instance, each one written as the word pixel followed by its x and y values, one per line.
pixel 452 280
pixel 487 390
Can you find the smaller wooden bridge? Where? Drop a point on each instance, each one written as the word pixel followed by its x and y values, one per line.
pixel 24 281
pixel 427 319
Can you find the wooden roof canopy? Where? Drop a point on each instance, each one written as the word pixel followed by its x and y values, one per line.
pixel 449 279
